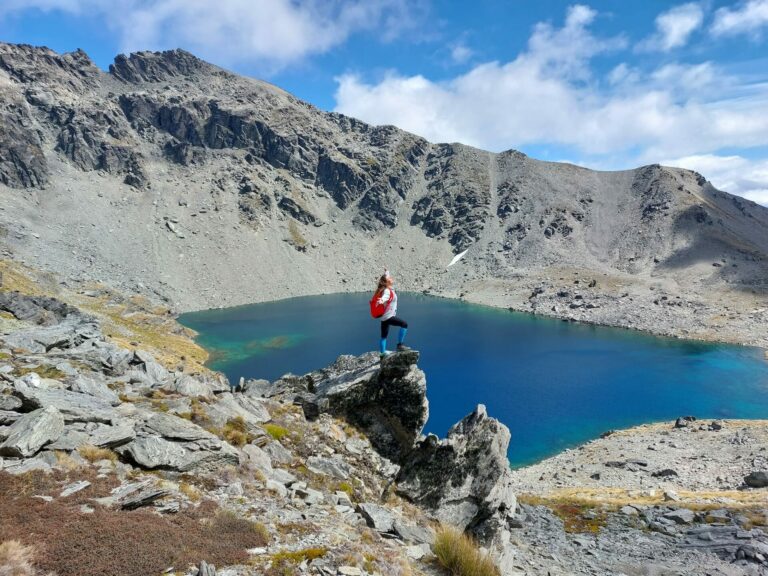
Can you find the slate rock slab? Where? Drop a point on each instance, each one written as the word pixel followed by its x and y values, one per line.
pixel 74 406
pixel 105 436
pixel 32 431
pixel 377 517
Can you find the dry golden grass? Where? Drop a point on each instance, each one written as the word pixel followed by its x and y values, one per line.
pixel 16 559
pixel 617 497
pixel 460 555
pixel 94 454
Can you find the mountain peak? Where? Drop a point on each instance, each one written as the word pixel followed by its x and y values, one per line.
pixel 149 66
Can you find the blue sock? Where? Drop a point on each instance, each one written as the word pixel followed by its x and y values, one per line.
pixel 401 336
pixel 383 345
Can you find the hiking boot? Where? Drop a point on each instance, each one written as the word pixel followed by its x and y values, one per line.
pixel 402 347
pixel 384 354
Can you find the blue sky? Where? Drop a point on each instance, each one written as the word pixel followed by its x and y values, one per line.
pixel 608 84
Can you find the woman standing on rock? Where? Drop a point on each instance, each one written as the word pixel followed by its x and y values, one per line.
pixel 384 307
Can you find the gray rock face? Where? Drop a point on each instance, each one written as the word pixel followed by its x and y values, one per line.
pixel 94 387
pixel 112 436
pixel 74 406
pixel 756 479
pixel 9 403
pixel 32 431
pixel 465 479
pixel 175 428
pixel 152 453
pixel 377 517
pixel 386 399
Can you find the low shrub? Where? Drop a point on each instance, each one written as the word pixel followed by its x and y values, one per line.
pixel 460 554
pixel 110 542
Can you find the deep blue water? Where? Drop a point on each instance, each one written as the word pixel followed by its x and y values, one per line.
pixel 554 384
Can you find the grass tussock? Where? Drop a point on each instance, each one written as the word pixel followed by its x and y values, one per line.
pixel 95 454
pixel 460 554
pixel 235 431
pixel 16 559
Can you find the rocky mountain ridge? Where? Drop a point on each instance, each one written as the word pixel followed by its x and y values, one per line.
pixel 171 177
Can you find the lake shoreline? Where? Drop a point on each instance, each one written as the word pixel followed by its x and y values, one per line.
pixel 615 314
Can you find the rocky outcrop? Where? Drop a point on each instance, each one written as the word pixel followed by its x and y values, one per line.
pixel 387 399
pixel 31 432
pixel 464 479
pixel 156 66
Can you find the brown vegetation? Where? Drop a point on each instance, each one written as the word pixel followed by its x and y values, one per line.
pixel 110 542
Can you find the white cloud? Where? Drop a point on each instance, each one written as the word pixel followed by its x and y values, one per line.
pixel 546 96
pixel 270 32
pixel 674 27
pixel 735 174
pixel 750 18
pixel 460 53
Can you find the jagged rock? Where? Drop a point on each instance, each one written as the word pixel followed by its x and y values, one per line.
pixel 9 402
pixel 156 453
pixel 756 479
pixel 112 436
pixel 258 459
pixel 74 488
pixel 155 372
pixel 175 428
pixel 7 417
pixel 88 384
pixel 32 431
pixel 377 517
pixel 28 465
pixel 680 516
pixel 74 406
pixel 386 399
pixel 70 440
pixel 413 533
pixel 465 479
pixel 684 421
pixel 187 385
pixel 206 569
pixel 156 66
pixel 229 406
pixel 334 466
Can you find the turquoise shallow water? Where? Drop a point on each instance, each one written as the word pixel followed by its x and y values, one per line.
pixel 554 384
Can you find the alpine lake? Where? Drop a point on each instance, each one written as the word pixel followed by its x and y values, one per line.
pixel 555 384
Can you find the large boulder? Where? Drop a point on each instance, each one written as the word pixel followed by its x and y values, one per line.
pixel 31 432
pixel 386 399
pixel 74 406
pixel 465 479
pixel 154 453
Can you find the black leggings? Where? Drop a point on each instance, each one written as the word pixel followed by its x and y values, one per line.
pixel 394 321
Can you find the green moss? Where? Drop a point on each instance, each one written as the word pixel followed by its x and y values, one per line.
pixel 45 371
pixel 277 432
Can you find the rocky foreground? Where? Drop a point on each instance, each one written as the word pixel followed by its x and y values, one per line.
pixel 114 462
